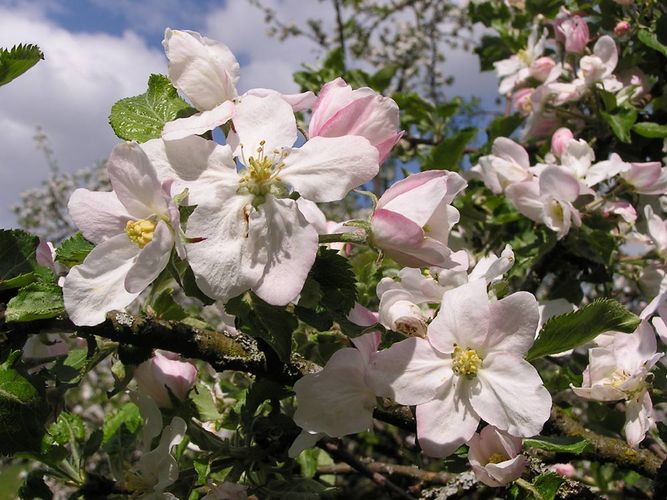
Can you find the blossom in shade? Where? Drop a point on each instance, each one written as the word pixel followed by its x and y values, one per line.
pixel 413 218
pixel 495 457
pixel 618 371
pixel 135 227
pixel 164 373
pixel 339 111
pixel 469 367
pixel 657 230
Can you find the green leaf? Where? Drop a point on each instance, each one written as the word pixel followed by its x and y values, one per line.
pixel 621 123
pixel 651 40
pixel 23 411
pixel 34 487
pixel 557 444
pixel 165 307
pixel 18 60
pixel 650 130
pixel 381 80
pixel 35 301
pixel 336 279
pixel 547 485
pixel 73 250
pixel 203 400
pixel 503 126
pixel 571 330
pixel 67 428
pixel 17 258
pixel 448 154
pixel 142 117
pixel 122 426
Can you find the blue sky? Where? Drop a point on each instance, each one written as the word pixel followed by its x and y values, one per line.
pixel 99 51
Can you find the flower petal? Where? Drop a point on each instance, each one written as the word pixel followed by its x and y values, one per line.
pixel 525 196
pixel 152 259
pixel 327 168
pixel 559 183
pixel 638 418
pixel 97 286
pixel 198 123
pixel 98 215
pixel 299 102
pixel 511 395
pixel 513 323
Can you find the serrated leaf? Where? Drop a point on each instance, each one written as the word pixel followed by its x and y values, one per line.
pixel 557 444
pixel 567 331
pixel 23 411
pixel 651 40
pixel 17 258
pixel 547 485
pixel 203 400
pixel 67 428
pixel 121 427
pixel 165 307
pixel 73 250
pixel 448 154
pixel 621 122
pixel 337 282
pixel 17 60
pixel 650 130
pixel 35 301
pixel 142 117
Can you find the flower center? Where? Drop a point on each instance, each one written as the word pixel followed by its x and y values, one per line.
pixel 496 458
pixel 465 362
pixel 525 57
pixel 261 174
pixel 140 231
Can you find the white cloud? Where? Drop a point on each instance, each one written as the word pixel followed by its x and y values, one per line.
pixel 69 95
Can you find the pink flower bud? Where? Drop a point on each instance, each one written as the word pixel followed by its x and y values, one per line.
pixel 541 68
pixel 158 373
pixel 621 28
pixel 522 101
pixel 573 32
pixel 560 139
pixel 565 470
pixel 340 111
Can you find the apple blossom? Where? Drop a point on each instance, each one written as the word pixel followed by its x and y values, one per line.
pixel 516 69
pixel 495 457
pixel 572 31
pixel 507 164
pixel 549 199
pixel 339 111
pixel 413 218
pixel 469 367
pixel 541 68
pixel 522 100
pixel 163 374
pixel 647 177
pixel 135 228
pixel 619 371
pixel 623 209
pixel 565 470
pixel 560 140
pixel 206 72
pixel 657 230
pixel 337 400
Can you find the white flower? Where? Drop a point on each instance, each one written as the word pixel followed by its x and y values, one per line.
pixel 516 69
pixel 470 367
pixel 495 457
pixel 134 227
pixel 508 164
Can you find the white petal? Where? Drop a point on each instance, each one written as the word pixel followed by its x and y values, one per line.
pixel 304 441
pixel 463 318
pixel 525 196
pixel 513 323
pixel 152 259
pixel 198 123
pixel 98 215
pixel 445 423
pixel 97 286
pixel 203 69
pixel 227 262
pixel 135 181
pixel 256 119
pixel 327 168
pixel 336 400
pixel 291 243
pixel 299 102
pixel 511 395
pixel 410 372
pixel 638 419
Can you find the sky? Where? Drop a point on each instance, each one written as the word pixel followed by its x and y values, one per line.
pixel 99 51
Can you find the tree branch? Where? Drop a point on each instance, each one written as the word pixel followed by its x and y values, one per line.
pixel 391 469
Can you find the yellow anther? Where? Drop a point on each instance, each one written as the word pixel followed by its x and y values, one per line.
pixel 465 362
pixel 140 231
pixel 496 458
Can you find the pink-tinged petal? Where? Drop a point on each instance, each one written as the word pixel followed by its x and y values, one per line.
pixel 453 181
pixel 313 215
pixel 336 400
pixel 157 375
pixel 227 262
pixel 367 345
pixel 559 183
pixel 327 168
pixel 291 243
pixel 660 328
pixel 525 196
pixel 267 122
pixel 205 70
pixel 152 259
pixel 510 151
pixel 445 423
pixel 420 203
pixel 429 252
pixel 463 318
pixel 384 148
pixel 98 215
pixel 201 165
pixel 511 395
pixel 513 321
pixel 605 49
pixel 638 418
pixel 97 286
pixel 198 123
pixel 362 316
pixel 505 472
pixel 410 372
pixel 333 95
pixel 299 102
pixel 135 181
pixel 393 230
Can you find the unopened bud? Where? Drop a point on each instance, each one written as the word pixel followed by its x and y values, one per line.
pixel 560 139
